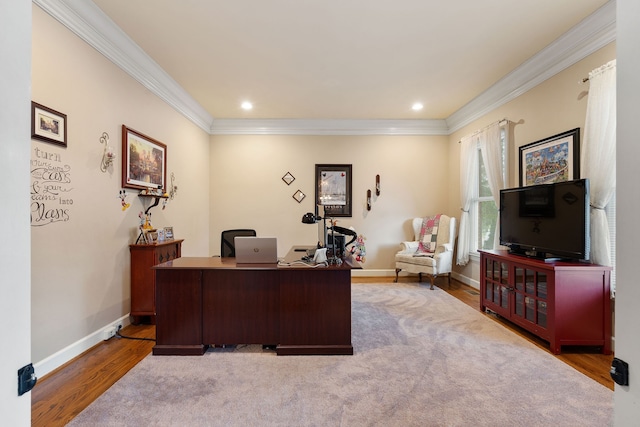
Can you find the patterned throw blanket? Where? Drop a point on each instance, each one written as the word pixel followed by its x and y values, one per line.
pixel 429 234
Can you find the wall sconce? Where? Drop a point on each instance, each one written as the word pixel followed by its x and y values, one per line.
pixel 107 155
pixel 377 185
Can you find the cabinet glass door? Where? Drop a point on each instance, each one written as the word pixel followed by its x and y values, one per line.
pixel 497 283
pixel 541 299
pixel 531 296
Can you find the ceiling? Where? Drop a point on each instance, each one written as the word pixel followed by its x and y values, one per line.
pixel 339 59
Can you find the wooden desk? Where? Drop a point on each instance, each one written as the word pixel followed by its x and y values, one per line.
pixel 214 301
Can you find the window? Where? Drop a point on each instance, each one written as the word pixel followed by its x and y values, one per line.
pixel 484 212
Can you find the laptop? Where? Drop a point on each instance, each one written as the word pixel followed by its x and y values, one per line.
pixel 256 250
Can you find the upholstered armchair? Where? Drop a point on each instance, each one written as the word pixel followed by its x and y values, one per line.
pixel 431 251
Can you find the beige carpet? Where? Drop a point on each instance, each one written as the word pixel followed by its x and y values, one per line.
pixel 421 358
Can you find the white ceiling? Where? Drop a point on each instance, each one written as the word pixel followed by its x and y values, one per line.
pixel 341 59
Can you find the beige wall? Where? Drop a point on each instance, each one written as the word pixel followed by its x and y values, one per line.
pixel 80 267
pixel 248 192
pixel 556 105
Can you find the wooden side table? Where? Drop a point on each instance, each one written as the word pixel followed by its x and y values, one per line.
pixel 143 282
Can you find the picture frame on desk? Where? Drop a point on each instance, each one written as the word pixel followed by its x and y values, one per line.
pixel 168 233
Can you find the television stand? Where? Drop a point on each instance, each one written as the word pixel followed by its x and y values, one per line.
pixel 564 303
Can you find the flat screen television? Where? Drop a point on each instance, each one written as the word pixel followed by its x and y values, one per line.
pixel 547 221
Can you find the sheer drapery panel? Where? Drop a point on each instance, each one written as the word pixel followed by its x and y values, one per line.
pixel 492 151
pixel 598 160
pixel 468 192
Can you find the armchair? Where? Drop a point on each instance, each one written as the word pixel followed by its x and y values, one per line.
pixel 434 264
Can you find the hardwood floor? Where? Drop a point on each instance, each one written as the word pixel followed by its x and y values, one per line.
pixel 64 393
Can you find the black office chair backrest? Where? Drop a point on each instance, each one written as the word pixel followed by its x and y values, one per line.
pixel 227 244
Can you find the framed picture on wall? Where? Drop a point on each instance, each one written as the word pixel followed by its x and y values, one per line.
pixel 144 161
pixel 48 125
pixel 553 159
pixel 333 189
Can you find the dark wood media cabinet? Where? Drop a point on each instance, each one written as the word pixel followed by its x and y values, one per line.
pixel 564 303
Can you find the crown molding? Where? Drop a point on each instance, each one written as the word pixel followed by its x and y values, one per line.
pixel 89 23
pixel 591 34
pixel 327 127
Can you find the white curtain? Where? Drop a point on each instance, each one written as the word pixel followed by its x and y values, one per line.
pixel 598 157
pixel 491 149
pixel 468 192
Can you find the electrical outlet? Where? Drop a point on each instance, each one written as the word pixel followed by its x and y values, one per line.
pixel 109 332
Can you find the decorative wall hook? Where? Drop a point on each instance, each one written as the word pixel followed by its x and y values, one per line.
pixel 368 200
pixel 174 188
pixel 107 155
pixel 377 185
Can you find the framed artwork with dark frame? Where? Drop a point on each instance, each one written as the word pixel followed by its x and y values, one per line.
pixel 144 161
pixel 333 189
pixel 553 159
pixel 48 125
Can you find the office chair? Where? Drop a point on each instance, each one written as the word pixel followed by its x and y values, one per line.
pixel 227 244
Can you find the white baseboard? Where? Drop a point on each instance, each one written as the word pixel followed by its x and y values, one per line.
pixel 392 273
pixel 63 356
pixel 466 280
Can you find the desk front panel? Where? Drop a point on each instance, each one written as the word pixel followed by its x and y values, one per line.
pixel 240 307
pixel 203 301
pixel 315 308
pixel 179 312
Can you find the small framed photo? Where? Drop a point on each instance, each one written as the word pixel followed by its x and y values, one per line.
pixel 146 237
pixel 48 125
pixel 553 159
pixel 144 161
pixel 299 196
pixel 168 233
pixel 288 178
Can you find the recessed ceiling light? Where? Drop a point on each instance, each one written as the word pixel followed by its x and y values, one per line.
pixel 246 105
pixel 417 106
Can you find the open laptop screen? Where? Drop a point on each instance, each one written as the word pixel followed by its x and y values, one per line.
pixel 256 250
